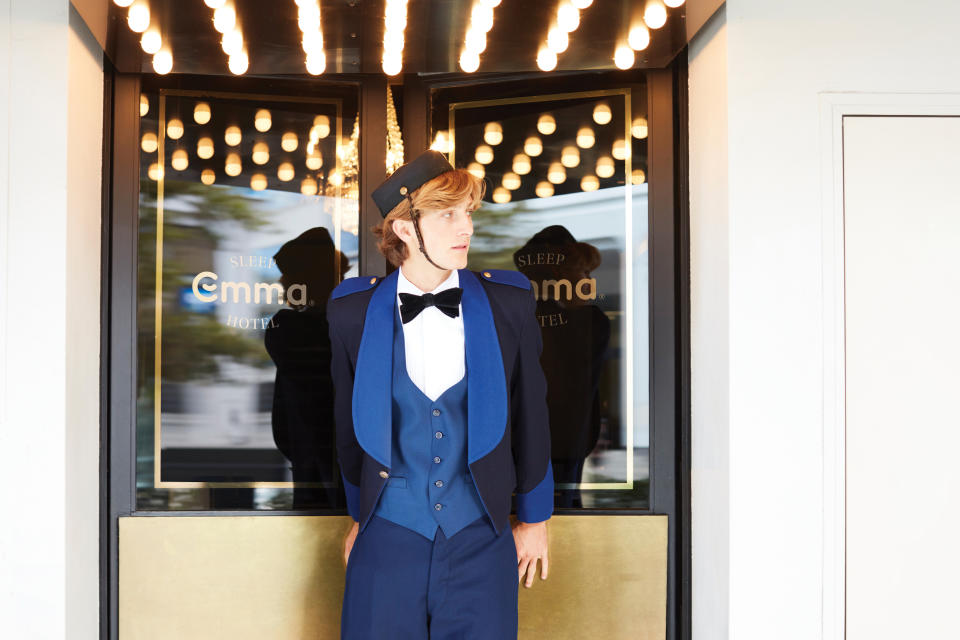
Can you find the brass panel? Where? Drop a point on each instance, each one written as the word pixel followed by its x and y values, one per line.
pixel 281 577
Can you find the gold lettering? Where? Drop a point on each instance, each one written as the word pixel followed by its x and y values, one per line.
pixel 590 282
pixel 301 294
pixel 556 284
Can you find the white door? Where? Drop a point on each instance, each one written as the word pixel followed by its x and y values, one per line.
pixel 902 324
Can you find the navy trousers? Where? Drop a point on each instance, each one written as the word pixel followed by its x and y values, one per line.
pixel 402 586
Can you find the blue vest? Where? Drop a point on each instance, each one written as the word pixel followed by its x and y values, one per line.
pixel 430 482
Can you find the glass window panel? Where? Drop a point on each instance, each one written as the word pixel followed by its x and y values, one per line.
pixel 248 218
pixel 566 204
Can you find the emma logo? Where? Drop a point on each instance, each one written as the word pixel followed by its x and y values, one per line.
pixel 563 289
pixel 207 289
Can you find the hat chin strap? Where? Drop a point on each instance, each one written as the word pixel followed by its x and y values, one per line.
pixel 415 217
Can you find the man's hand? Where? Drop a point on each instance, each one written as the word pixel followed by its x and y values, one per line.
pixel 348 543
pixel 531 541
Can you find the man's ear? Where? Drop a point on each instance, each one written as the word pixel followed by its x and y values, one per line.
pixel 400 229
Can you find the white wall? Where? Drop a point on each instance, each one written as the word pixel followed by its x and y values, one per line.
pixel 767 316
pixel 51 93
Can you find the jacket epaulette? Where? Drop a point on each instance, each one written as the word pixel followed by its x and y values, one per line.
pixel 507 276
pixel 353 285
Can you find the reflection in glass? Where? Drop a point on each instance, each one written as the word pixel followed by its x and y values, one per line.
pixel 236 262
pixel 563 210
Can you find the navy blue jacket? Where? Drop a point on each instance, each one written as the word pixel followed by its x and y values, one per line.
pixel 508 428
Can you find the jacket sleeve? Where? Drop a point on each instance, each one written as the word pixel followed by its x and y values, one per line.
pixel 531 423
pixel 349 453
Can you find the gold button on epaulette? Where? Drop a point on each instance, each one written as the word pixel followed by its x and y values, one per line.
pixel 486 273
pixel 373 279
pixel 384 474
pixel 403 191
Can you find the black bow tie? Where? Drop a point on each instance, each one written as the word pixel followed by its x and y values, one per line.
pixel 447 301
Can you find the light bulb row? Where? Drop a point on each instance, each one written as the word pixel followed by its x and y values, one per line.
pixel 258 181
pixel 475 39
pixel 308 19
pixel 558 35
pixel 394 23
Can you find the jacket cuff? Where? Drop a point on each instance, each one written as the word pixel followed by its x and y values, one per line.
pixel 353 497
pixel 536 505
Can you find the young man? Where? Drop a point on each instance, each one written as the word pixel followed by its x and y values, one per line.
pixel 441 415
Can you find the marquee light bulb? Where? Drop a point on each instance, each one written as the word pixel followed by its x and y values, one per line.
pixel 638 176
pixel 155 171
pixel 258 182
pixel 589 183
pixel 619 149
pixel 557 40
pixel 289 142
pixel 556 173
pixel 138 16
pixel 123 3
pixel 205 148
pixel 392 65
pixel 481 17
pixel 162 61
pixel 639 128
pixel 484 154
pixel 469 61
pixel 232 42
pixel 261 153
pixel 623 57
pixel 441 143
pixel 521 164
pixel 605 167
pixel 533 146
pixel 285 172
pixel 321 127
pixel 673 4
pixel 655 14
pixel 201 113
pixel 602 114
pixel 544 189
pixel 546 125
pixel 476 169
pixel 174 128
pixel 214 4
pixel 314 160
pixel 232 135
pixel 149 142
pixel 493 133
pixel 638 38
pixel 335 178
pixel 546 59
pixel 150 41
pixel 585 138
pixel 208 177
pixel 233 167
pixel 308 187
pixel 238 63
pixel 179 160
pixel 501 195
pixel 581 4
pixel 568 17
pixel 570 157
pixel 511 181
pixel 144 104
pixel 475 40
pixel 262 120
pixel 316 63
pixel 225 18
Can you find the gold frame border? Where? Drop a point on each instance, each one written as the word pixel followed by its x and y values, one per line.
pixel 627 325
pixel 158 311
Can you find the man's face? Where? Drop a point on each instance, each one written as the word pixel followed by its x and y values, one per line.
pixel 446 235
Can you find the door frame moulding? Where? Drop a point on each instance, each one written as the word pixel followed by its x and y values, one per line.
pixel 833 108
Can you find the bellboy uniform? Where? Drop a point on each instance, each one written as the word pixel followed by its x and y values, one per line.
pixel 439 421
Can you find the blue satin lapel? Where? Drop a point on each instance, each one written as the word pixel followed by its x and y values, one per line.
pixel 372 421
pixel 486 381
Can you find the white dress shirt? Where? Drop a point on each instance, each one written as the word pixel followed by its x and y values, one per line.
pixel 433 341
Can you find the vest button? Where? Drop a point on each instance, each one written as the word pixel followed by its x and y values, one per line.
pixel 438 435
pixel 438 506
pixel 439 483
pixel 436 412
pixel 436 459
pixel 384 474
